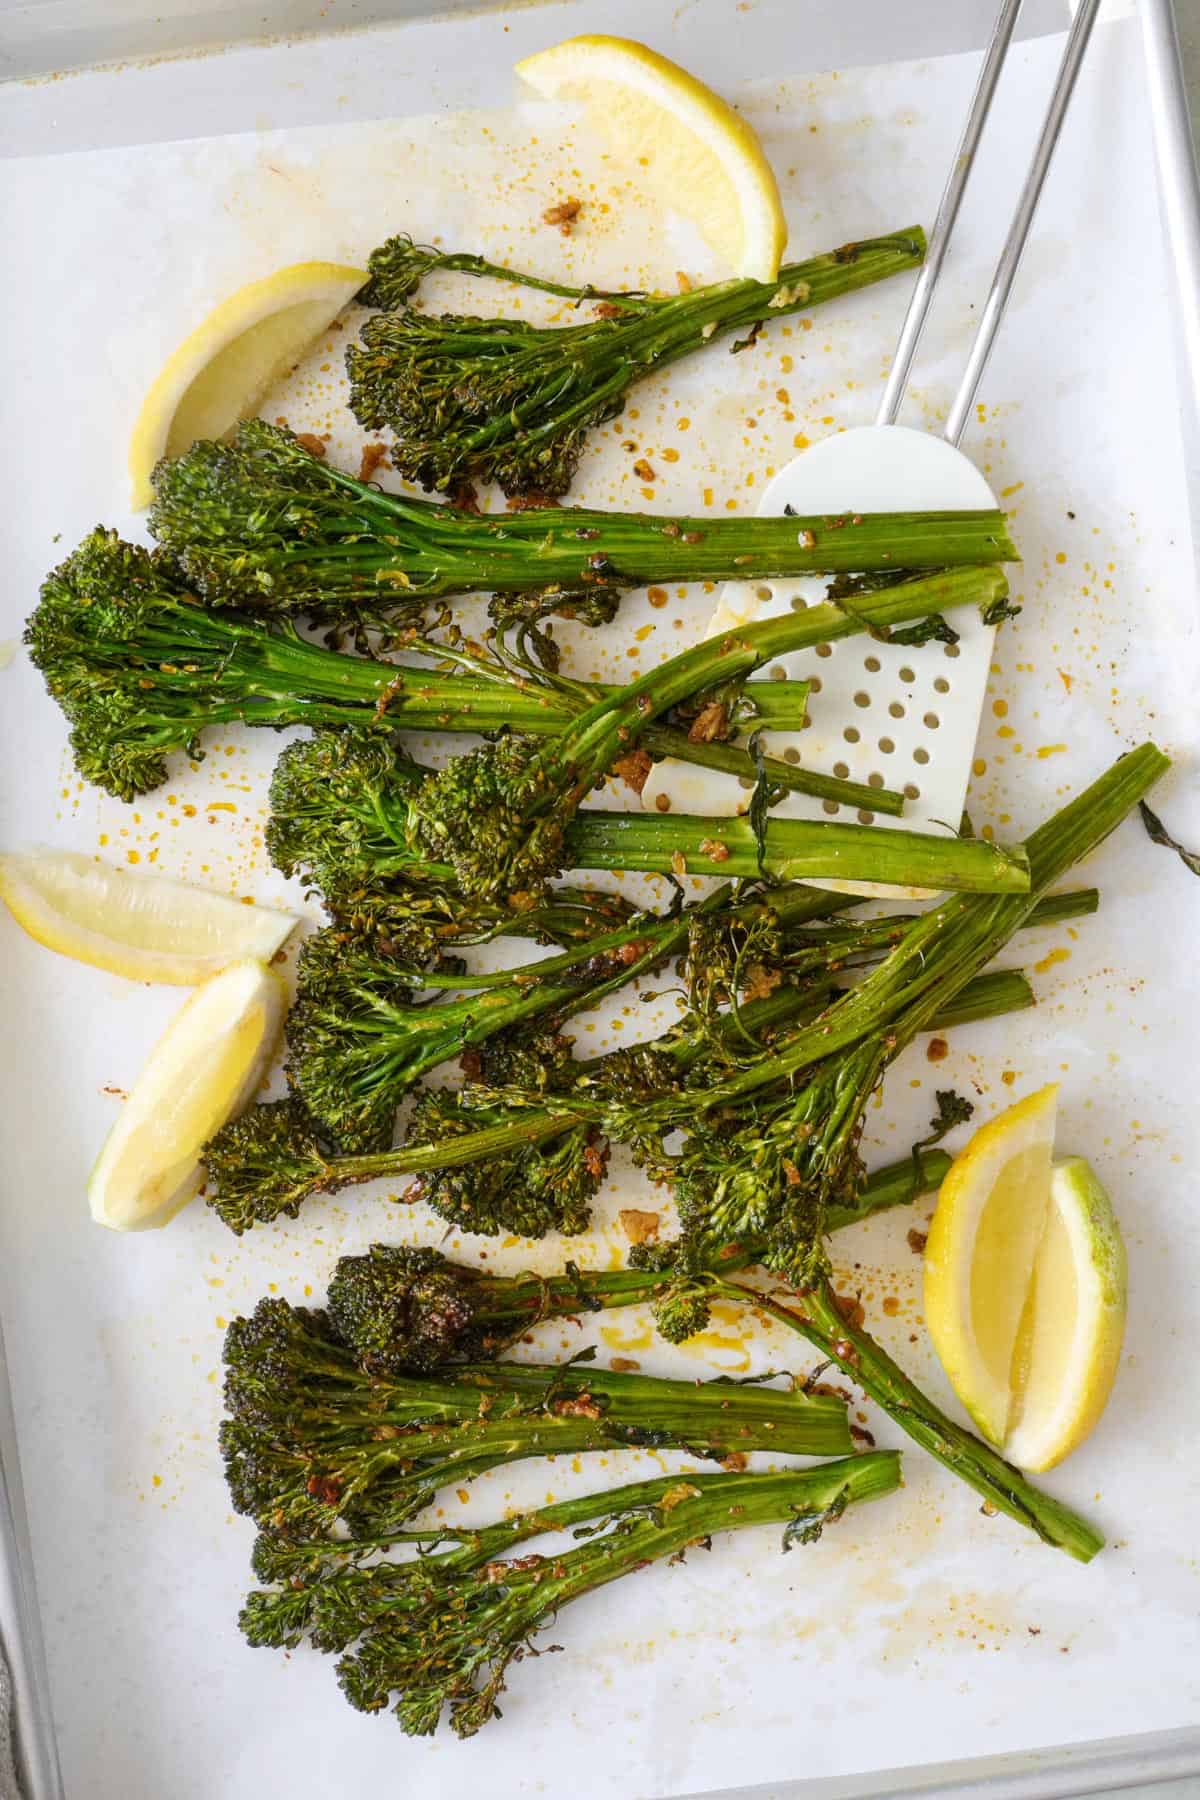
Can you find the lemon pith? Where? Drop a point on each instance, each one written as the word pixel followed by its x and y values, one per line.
pixel 222 370
pixel 700 155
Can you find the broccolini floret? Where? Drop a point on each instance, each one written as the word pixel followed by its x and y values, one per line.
pixel 503 400
pixel 141 669
pixel 414 1309
pixel 442 1629
pixel 314 1443
pixel 258 523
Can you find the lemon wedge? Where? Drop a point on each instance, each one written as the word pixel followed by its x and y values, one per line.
pixel 203 1070
pixel 1025 1286
pixel 222 370
pixel 145 927
pixel 698 154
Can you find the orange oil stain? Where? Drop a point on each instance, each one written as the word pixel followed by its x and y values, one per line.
pixel 616 1339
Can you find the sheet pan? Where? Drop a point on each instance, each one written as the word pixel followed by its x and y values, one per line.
pixel 98 1405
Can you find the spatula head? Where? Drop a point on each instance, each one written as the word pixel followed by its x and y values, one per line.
pixel 893 716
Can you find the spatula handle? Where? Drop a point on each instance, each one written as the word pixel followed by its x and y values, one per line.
pixel 952 193
pixel 1018 231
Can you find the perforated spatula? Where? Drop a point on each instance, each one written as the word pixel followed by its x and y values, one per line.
pixel 883 714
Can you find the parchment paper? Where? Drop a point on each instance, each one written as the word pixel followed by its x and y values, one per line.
pixel 920 1629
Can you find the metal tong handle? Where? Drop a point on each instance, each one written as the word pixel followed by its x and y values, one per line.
pixel 1018 231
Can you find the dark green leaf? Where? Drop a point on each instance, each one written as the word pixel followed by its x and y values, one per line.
pixel 806 1528
pixel 933 630
pixel 1160 835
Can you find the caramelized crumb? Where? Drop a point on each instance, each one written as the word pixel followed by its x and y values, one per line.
pixel 711 724
pixel 311 443
pixel 760 981
pixel 634 768
pixel 374 456
pixel 579 1406
pixel 531 502
pixel 563 215
pixel 917 1241
pixel 639 1227
pixel 463 495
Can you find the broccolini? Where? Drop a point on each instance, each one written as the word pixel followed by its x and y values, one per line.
pixel 442 1629
pixel 313 1444
pixel 260 524
pixel 502 400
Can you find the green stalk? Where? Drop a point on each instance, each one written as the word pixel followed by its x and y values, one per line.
pixel 444 1627
pixel 791 777
pixel 261 525
pixel 818 1318
pixel 953 941
pixel 988 996
pixel 791 850
pixel 248 1185
pixel 508 401
pixel 398 267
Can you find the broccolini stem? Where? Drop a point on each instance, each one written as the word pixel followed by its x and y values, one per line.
pixel 508 1305
pixel 443 1627
pixel 261 525
pixel 791 850
pixel 953 941
pixel 730 759
pixel 250 1182
pixel 398 267
pixel 508 401
pixel 817 1316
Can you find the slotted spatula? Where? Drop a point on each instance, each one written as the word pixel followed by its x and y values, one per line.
pixel 882 714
